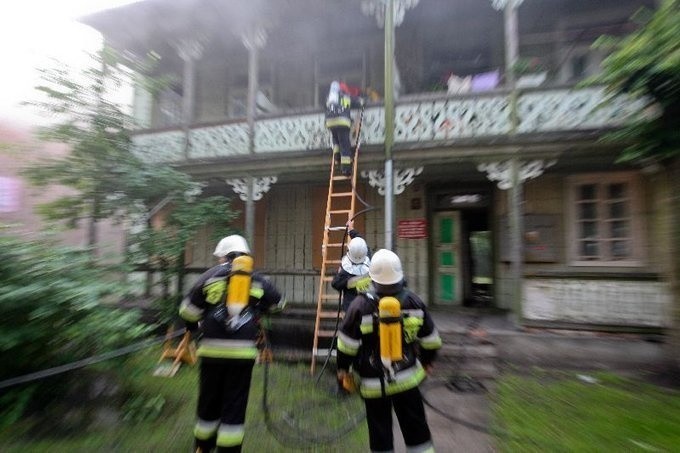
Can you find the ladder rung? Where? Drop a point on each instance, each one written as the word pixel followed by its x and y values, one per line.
pixel 328 278
pixel 326 333
pixel 333 261
pixel 340 211
pixel 335 244
pixel 324 352
pixel 336 228
pixel 342 194
pixel 341 178
pixel 329 314
pixel 329 296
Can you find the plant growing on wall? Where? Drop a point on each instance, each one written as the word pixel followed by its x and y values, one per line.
pixel 646 66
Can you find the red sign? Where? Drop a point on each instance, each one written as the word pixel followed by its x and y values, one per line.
pixel 412 229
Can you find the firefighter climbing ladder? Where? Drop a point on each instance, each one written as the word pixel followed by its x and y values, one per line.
pixel 340 207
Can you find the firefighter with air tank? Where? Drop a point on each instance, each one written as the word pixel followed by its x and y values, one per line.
pixel 227 300
pixel 389 338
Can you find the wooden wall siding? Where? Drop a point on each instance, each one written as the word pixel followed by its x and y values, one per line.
pixel 658 196
pixel 413 252
pixel 547 194
pixel 289 238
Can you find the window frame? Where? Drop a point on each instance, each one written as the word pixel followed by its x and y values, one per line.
pixel 632 180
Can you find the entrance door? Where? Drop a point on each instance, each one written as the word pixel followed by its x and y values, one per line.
pixel 448 285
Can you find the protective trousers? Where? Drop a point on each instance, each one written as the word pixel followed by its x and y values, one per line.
pixel 410 412
pixel 342 145
pixel 222 402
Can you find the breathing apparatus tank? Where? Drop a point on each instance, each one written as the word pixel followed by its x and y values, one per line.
pixel 389 313
pixel 238 290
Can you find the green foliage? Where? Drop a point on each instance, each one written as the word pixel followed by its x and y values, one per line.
pixel 163 248
pixel 646 65
pixel 54 311
pixel 95 128
pixel 107 179
pixel 142 408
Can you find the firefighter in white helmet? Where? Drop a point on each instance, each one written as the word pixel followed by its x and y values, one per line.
pixel 352 276
pixel 228 346
pixel 390 366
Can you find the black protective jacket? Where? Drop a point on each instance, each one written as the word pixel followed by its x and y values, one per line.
pixel 359 343
pixel 205 302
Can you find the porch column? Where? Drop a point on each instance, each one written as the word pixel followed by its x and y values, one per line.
pixel 253 39
pixel 510 175
pixel 515 196
pixel 189 50
pixel 389 124
pixel 251 189
pixel 389 13
pixel 509 8
pixel 393 183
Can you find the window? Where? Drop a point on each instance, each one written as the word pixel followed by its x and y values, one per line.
pixel 605 217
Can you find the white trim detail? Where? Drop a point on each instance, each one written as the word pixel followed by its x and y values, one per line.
pixel 499 5
pixel 501 171
pixel 190 49
pixel 377 8
pixel 254 38
pixel 402 178
pixel 260 186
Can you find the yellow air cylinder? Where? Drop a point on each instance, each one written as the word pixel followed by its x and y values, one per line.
pixel 238 291
pixel 389 312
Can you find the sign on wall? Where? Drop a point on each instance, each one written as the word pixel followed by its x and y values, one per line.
pixel 412 229
pixel 540 238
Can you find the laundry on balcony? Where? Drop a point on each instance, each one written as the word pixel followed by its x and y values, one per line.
pixel 476 83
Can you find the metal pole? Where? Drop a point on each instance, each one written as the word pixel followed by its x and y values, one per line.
pixel 389 123
pixel 511 42
pixel 188 88
pixel 517 255
pixel 251 112
pixel 250 212
pixel 515 194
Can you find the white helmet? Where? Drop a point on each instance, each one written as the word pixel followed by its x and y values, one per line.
pixel 385 268
pixel 230 244
pixel 357 250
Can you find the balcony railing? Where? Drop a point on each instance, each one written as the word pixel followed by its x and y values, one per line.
pixel 425 120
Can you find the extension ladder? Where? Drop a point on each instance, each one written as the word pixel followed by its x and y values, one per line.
pixel 340 207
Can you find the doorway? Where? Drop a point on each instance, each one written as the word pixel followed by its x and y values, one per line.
pixel 447 254
pixel 462 258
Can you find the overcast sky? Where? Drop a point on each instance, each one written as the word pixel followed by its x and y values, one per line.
pixel 31 33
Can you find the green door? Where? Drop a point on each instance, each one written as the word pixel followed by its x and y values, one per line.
pixel 447 255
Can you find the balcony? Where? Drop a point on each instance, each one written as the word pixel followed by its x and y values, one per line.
pixel 426 121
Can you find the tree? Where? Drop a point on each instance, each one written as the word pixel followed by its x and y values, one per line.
pixel 96 129
pixel 646 66
pixel 107 178
pixel 163 248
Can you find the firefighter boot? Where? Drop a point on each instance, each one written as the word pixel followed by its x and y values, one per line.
pixel 346 165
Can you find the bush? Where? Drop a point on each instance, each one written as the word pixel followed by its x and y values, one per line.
pixel 56 307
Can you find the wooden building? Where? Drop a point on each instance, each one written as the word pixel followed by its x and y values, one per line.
pixel 496 151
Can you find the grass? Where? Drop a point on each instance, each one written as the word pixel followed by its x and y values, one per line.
pixel 306 416
pixel 570 412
